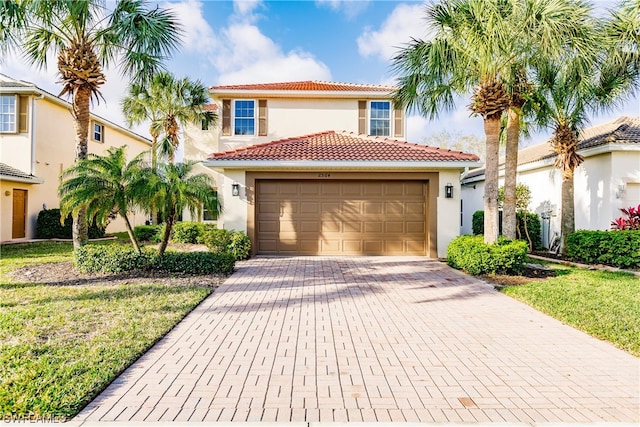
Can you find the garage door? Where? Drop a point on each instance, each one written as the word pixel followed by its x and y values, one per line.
pixel 341 217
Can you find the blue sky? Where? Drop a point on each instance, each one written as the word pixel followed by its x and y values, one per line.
pixel 249 41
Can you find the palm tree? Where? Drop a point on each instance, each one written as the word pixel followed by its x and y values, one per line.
pixel 167 103
pixel 86 36
pixel 476 45
pixel 172 188
pixel 567 91
pixel 103 186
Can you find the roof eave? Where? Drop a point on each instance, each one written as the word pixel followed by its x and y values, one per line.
pixel 255 93
pixel 339 165
pixel 25 180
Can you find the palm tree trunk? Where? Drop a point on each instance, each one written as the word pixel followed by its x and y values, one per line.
pixel 492 135
pixel 509 219
pixel 132 237
pixel 154 167
pixel 81 118
pixel 168 226
pixel 567 218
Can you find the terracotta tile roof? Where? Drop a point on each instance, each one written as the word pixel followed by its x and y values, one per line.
pixel 342 146
pixel 623 130
pixel 308 85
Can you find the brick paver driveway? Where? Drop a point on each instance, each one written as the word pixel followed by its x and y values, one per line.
pixel 370 339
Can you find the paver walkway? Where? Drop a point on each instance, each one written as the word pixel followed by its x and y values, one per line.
pixel 370 339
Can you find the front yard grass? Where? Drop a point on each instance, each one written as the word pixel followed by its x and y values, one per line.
pixel 62 345
pixel 603 304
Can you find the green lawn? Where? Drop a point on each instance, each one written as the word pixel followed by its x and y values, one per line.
pixel 603 304
pixel 61 345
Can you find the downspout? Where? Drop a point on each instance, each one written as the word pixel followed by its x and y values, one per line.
pixel 33 131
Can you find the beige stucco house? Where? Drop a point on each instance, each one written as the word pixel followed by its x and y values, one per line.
pixel 323 168
pixel 607 180
pixel 36 143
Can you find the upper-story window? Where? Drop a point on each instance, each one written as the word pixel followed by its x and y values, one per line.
pixel 380 118
pixel 98 132
pixel 8 113
pixel 244 117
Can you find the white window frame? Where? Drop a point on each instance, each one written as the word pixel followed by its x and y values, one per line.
pixel 15 114
pixel 233 117
pixel 101 132
pixel 390 119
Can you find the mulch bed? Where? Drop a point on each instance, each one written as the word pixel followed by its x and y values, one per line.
pixel 528 275
pixel 63 274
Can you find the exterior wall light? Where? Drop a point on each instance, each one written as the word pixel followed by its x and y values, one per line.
pixel 448 191
pixel 235 189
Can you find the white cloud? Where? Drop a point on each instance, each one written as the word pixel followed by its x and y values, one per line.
pixel 245 7
pixel 197 36
pixel 405 21
pixel 351 8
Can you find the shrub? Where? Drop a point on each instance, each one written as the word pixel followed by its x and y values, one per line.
pixel 235 242
pixel 617 248
pixel 147 233
pixel 534 227
pixel 190 232
pixel 477 222
pixel 471 254
pixel 195 262
pixel 48 226
pixel 111 258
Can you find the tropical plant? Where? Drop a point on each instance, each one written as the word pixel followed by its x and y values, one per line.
pixel 475 46
pixel 629 221
pixel 167 103
pixel 171 189
pixel 87 36
pixel 104 186
pixel 567 90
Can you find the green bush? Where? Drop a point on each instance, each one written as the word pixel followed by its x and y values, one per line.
pixel 111 258
pixel 617 248
pixel 147 233
pixel 234 242
pixel 48 226
pixel 471 254
pixel 190 232
pixel 477 222
pixel 533 225
pixel 120 258
pixel 195 262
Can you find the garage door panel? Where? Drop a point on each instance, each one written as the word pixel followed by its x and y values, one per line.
pixel 341 217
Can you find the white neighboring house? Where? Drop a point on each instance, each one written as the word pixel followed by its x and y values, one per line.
pixel 607 180
pixel 323 168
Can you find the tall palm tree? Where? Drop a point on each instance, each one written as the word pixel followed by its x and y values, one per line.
pixel 103 186
pixel 86 36
pixel 475 46
pixel 172 188
pixel 568 90
pixel 167 103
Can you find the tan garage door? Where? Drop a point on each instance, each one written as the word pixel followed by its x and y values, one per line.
pixel 341 217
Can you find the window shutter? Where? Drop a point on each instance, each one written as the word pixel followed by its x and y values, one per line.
pixel 262 117
pixel 362 117
pixel 23 114
pixel 398 123
pixel 226 117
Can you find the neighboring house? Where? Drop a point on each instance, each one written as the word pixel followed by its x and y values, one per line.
pixel 323 168
pixel 37 141
pixel 607 180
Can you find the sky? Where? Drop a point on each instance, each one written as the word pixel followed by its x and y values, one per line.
pixel 258 41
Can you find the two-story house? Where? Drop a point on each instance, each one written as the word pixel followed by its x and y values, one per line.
pixel 37 141
pixel 323 168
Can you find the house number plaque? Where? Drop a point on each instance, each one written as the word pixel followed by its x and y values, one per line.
pixel 324 175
